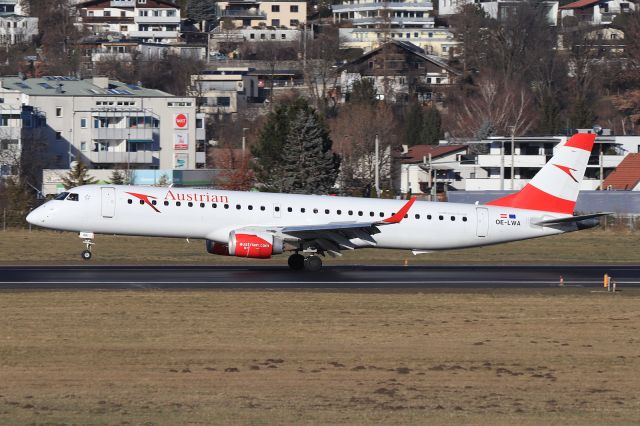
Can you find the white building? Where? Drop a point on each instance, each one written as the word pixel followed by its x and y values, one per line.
pixel 14 26
pixel 595 12
pixel 153 21
pixel 532 153
pixel 110 124
pixel 497 9
pixel 225 90
pixel 370 23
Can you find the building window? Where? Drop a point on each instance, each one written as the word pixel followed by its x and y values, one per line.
pixel 275 22
pixel 199 123
pixel 223 101
pixel 4 121
pixel 273 36
pixel 171 13
pixel 107 13
pixel 58 136
pixel 252 36
pixel 83 123
pixel 275 8
pixel 293 9
pixel 263 36
pixel 294 23
pixel 123 28
pixel 283 36
pixel 83 146
pixel 58 111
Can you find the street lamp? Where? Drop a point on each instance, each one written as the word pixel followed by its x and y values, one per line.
pixel 244 139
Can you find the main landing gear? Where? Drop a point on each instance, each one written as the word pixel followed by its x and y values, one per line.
pixel 87 239
pixel 310 263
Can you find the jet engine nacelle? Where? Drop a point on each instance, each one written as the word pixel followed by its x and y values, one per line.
pixel 259 245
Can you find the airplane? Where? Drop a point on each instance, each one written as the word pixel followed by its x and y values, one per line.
pixel 259 225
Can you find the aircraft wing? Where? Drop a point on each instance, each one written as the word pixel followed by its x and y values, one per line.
pixel 334 236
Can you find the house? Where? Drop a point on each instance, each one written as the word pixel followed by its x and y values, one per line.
pixel 15 26
pixel 498 9
pixel 427 168
pixel 398 68
pixel 269 13
pixel 107 123
pixel 594 12
pixel 224 90
pixel 154 21
pixel 626 177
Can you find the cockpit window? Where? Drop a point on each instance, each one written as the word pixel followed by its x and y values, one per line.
pixel 61 196
pixel 72 197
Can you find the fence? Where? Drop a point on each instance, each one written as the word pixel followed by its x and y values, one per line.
pixel 13 219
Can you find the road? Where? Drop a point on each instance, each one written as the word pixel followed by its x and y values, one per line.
pixel 331 277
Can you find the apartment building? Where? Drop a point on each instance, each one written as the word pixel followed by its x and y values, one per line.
pixel 256 13
pixel 368 23
pixel 225 90
pixel 153 21
pixel 15 27
pixel 109 124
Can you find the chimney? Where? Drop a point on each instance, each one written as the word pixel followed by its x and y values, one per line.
pixel 59 88
pixel 101 82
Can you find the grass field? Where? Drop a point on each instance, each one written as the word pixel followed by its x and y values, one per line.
pixel 48 247
pixel 556 356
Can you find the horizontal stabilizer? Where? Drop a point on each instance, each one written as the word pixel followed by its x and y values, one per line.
pixel 571 219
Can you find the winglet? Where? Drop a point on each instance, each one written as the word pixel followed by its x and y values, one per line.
pixel 397 218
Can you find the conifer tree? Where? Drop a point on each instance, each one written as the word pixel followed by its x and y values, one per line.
pixel 117 177
pixel 201 10
pixel 309 166
pixel 77 176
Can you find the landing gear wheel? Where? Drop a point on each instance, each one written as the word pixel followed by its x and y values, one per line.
pixel 313 263
pixel 86 255
pixel 296 261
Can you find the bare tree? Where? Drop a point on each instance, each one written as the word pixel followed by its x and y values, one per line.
pixel 234 169
pixel 320 68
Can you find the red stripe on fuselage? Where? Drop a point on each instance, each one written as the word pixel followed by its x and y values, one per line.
pixel 532 198
pixel 582 141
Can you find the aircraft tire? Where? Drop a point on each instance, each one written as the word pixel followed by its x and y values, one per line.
pixel 86 255
pixel 313 263
pixel 296 262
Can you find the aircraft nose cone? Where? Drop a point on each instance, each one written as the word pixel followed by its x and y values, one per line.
pixel 35 216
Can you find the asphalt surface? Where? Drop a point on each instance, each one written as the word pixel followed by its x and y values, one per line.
pixel 331 277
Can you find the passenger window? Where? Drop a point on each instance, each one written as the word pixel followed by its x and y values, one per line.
pixel 141 201
pixel 238 207
pixel 289 209
pixel 381 214
pixel 201 205
pixel 277 208
pixel 453 218
pixel 190 204
pixel 464 219
pixel 315 210
pixel 302 210
pixel 440 217
pixel 350 212
pixel 226 206
pixel 166 203
pixel 326 211
pixel 360 213
pixel 262 208
pixel 371 214
pixel 154 202
pixel 61 196
pixel 74 197
pixel 339 211
pixel 177 203
pixel 417 216
pixel 429 217
pixel 130 201
pixel 214 205
pixel 250 207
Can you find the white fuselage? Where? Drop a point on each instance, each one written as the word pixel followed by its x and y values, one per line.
pixel 212 214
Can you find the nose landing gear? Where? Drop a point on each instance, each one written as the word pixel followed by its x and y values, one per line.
pixel 87 239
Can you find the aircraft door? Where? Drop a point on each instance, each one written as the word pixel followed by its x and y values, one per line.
pixel 108 202
pixel 482 213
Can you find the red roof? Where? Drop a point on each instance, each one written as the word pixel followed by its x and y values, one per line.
pixel 417 153
pixel 579 4
pixel 626 176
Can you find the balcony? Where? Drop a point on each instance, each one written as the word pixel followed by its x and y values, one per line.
pixel 154 34
pixel 243 14
pixel 175 20
pixel 141 157
pixel 341 8
pixel 11 133
pixel 123 3
pixel 122 133
pixel 106 56
pixel 519 160
pixel 373 20
pixel 106 19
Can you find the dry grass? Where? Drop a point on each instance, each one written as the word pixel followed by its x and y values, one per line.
pixel 559 356
pixel 47 247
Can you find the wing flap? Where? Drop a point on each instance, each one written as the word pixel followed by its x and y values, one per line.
pixel 570 219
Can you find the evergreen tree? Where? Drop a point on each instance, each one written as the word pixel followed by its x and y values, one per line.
pixel 77 176
pixel 363 91
pixel 20 198
pixel 117 177
pixel 413 123
pixel 309 166
pixel 431 126
pixel 201 10
pixel 273 135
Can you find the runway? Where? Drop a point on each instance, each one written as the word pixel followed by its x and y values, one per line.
pixel 331 277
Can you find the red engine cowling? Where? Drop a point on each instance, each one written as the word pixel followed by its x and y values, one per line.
pixel 258 245
pixel 217 248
